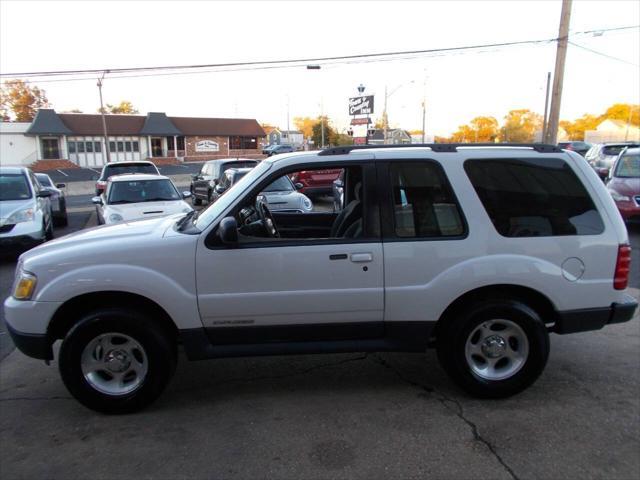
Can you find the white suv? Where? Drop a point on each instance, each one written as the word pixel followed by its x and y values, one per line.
pixel 479 251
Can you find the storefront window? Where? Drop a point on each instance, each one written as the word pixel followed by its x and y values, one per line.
pixel 243 143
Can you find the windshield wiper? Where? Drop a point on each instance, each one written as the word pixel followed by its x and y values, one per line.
pixel 159 199
pixel 116 202
pixel 183 221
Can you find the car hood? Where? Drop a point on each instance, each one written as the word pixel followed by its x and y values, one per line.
pixel 9 207
pixel 139 211
pixel 119 236
pixel 283 200
pixel 625 186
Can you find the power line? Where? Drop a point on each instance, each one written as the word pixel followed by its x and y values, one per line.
pixel 270 63
pixel 604 54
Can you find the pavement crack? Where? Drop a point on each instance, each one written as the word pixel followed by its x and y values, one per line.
pixel 453 406
pixel 277 377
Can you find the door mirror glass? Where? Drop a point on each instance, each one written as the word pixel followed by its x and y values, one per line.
pixel 61 185
pixel 44 193
pixel 220 189
pixel 186 194
pixel 228 231
pixel 96 201
pixel 298 185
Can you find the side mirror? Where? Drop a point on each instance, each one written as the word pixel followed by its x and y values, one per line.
pixel 186 194
pixel 220 189
pixel 61 185
pixel 96 201
pixel 228 231
pixel 298 185
pixel 195 176
pixel 338 183
pixel 44 194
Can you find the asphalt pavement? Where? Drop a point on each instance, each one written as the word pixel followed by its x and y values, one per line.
pixel 67 175
pixel 357 416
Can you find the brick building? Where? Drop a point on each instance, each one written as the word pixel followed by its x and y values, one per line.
pixel 62 139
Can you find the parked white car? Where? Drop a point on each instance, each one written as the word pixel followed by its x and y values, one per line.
pixel 26 218
pixel 131 197
pixel 480 252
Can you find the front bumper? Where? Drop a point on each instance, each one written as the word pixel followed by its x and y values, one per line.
pixel 23 234
pixel 573 321
pixel 32 345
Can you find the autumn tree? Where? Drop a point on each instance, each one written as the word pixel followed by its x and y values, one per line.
pixel 316 132
pixel 305 125
pixel 575 130
pixel 520 126
pixel 22 100
pixel 623 111
pixel 124 107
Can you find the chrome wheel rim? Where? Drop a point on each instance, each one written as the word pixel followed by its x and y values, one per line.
pixel 496 349
pixel 114 364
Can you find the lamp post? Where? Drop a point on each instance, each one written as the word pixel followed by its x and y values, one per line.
pixel 104 121
pixel 361 88
pixel 317 67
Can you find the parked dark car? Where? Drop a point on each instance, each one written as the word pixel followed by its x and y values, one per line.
pixel 579 147
pixel 120 168
pixel 601 156
pixel 58 201
pixel 204 183
pixel 275 149
pixel 624 184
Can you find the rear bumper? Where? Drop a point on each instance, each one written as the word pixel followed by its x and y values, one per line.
pixel 573 321
pixel 32 345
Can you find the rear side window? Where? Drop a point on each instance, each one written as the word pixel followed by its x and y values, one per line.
pixel 534 197
pixel 423 203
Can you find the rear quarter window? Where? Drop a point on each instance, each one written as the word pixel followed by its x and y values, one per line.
pixel 534 197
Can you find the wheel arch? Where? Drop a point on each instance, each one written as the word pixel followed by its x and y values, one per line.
pixel 68 313
pixel 534 299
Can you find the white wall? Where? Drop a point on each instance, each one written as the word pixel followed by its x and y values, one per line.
pixel 15 147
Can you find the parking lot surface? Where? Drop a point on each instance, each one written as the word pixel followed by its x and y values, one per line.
pixel 334 416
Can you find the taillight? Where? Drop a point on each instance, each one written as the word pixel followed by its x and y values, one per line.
pixel 623 264
pixel 100 184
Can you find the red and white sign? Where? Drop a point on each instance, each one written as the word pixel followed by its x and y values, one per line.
pixel 360 121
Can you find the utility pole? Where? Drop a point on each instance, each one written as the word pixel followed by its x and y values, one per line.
pixel 424 108
pixel 558 75
pixel 288 127
pixel 322 119
pixel 104 121
pixel 545 120
pixel 384 115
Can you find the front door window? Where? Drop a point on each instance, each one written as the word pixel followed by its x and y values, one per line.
pixel 50 149
pixel 156 147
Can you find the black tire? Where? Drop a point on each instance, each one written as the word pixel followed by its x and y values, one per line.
pixel 195 200
pixel 209 195
pixel 157 345
pixel 452 341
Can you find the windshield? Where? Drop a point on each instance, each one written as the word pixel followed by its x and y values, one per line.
pixel 628 166
pixel 205 217
pixel 283 184
pixel 135 168
pixel 613 149
pixel 14 186
pixel 44 180
pixel 136 191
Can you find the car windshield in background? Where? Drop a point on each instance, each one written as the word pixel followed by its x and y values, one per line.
pixel 121 169
pixel 14 186
pixel 283 184
pixel 613 149
pixel 229 165
pixel 44 180
pixel 137 191
pixel 628 166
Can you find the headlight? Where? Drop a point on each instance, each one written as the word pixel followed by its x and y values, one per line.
pixel 115 217
pixel 24 285
pixel 21 216
pixel 619 198
pixel 306 204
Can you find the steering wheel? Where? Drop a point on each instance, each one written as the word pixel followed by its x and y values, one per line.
pixel 267 219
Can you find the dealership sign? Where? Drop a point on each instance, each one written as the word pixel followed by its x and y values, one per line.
pixel 360 121
pixel 361 105
pixel 207 146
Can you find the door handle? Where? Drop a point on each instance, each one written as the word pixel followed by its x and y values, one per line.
pixel 361 257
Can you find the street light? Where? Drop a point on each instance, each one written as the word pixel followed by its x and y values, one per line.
pixel 317 67
pixel 361 89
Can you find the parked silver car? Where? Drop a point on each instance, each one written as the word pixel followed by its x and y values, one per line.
pixel 601 156
pixel 25 210
pixel 57 198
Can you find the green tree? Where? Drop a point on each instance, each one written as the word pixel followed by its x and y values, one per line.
pixel 342 139
pixel 124 107
pixel 22 99
pixel 316 133
pixel 520 126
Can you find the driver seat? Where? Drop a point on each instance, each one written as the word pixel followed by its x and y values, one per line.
pixel 349 214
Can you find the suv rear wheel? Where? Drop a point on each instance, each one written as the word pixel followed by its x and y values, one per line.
pixel 494 349
pixel 116 360
pixel 194 199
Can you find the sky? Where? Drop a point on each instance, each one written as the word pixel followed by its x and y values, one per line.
pixel 42 36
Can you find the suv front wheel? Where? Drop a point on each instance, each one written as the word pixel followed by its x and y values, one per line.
pixel 116 360
pixel 494 349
